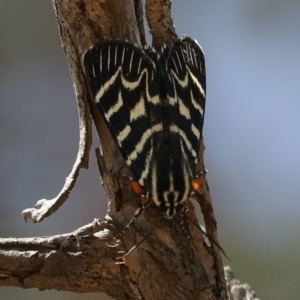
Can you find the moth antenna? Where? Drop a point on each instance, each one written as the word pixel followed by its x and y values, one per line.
pixel 139 243
pixel 137 213
pixel 209 238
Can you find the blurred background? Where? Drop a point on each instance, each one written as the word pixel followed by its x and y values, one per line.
pixel 252 133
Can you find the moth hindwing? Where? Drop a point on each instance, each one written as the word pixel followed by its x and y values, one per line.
pixel 154 108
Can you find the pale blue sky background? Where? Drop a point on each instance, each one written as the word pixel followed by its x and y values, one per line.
pixel 251 131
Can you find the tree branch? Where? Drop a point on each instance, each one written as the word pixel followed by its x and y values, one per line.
pixel 80 261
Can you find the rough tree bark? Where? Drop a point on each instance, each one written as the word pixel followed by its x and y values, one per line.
pixel 168 264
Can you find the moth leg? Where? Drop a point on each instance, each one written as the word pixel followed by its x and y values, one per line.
pixel 136 187
pixel 201 173
pixel 123 257
pixel 182 218
pixel 121 176
pixel 121 171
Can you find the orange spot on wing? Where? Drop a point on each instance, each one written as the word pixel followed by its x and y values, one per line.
pixel 196 184
pixel 136 187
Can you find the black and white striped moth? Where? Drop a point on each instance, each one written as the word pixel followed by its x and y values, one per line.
pixel 153 105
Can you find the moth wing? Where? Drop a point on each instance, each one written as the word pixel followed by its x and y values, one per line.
pixel 186 89
pixel 125 85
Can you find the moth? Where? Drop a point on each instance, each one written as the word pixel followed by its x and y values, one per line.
pixel 153 104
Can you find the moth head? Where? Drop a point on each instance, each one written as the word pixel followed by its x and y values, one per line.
pixel 170 203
